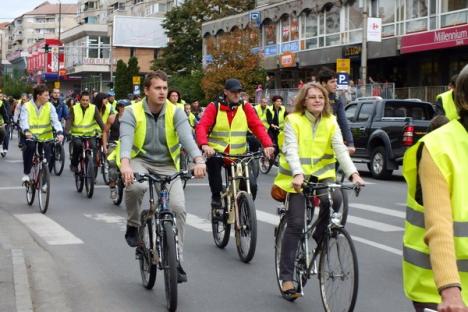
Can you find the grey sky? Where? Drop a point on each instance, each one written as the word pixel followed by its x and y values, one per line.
pixel 9 9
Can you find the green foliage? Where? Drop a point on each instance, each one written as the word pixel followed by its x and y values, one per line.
pixel 132 70
pixel 188 85
pixel 122 84
pixel 15 84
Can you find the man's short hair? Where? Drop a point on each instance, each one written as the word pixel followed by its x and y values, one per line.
pixel 326 74
pixel 84 93
pixel 38 90
pixel 159 74
pixel 276 97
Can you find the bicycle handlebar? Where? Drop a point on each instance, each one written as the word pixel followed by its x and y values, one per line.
pixel 311 186
pixel 158 178
pixel 240 157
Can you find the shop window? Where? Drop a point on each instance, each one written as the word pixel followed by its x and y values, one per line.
pixel 332 26
pixel 454 5
pixel 269 30
pixel 457 17
pixel 294 28
pixel 285 29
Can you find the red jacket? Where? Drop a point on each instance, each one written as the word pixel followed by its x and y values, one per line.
pixel 208 119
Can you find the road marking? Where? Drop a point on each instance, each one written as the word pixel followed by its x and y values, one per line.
pixel 20 276
pixel 14 161
pixel 268 217
pixel 197 184
pixel 6 188
pixel 381 210
pixel 49 230
pixel 198 223
pixel 377 245
pixel 108 218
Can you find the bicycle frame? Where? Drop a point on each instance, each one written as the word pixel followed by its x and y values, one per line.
pixel 38 161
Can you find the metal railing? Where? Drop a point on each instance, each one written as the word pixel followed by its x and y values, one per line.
pixel 424 93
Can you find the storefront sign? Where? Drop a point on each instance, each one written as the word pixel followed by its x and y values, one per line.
pixel 440 39
pixel 343 66
pixel 270 50
pixel 96 61
pixel 374 29
pixel 352 51
pixel 290 47
pixel 287 59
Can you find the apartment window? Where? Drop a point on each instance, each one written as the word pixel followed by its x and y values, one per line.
pixel 90 20
pixel 269 33
pixel 118 6
pixel 132 52
pixel 456 18
pixel 137 1
pixel 98 47
pixel 89 5
pixel 354 22
pixel 310 28
pixel 285 29
pixel 332 26
pixel 386 9
pixel 454 5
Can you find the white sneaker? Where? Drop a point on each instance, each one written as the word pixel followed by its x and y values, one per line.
pixel 25 178
pixel 44 188
pixel 4 153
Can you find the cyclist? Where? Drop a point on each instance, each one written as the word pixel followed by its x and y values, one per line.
pixel 327 79
pixel 110 135
pixel 111 99
pixel 83 118
pixel 223 128
pixel 275 118
pixel 174 97
pixel 38 118
pixel 445 102
pixel 4 120
pixel 434 243
pixel 262 110
pixel 191 117
pixel 151 132
pixel 312 138
pixel 60 107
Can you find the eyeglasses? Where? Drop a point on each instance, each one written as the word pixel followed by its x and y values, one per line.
pixel 314 97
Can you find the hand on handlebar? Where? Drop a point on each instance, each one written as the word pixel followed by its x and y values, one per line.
pixel 199 170
pixel 60 138
pixel 208 151
pixel 269 152
pixel 297 182
pixel 126 172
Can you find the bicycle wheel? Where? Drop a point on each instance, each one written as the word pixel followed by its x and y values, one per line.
pixel 338 272
pixel 279 234
pixel 89 176
pixel 79 176
pixel 120 189
pixel 169 260
pixel 59 162
pixel 30 190
pixel 43 193
pixel 246 235
pixel 219 226
pixel 265 164
pixel 145 255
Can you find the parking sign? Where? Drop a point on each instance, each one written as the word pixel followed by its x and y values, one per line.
pixel 342 80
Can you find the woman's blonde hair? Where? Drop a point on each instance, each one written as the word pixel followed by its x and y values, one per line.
pixel 461 90
pixel 299 102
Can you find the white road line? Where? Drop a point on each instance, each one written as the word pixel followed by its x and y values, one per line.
pixel 381 210
pixel 7 188
pixel 49 230
pixel 198 223
pixel 20 276
pixel 268 217
pixel 14 161
pixel 377 245
pixel 401 204
pixel 197 184
pixel 108 218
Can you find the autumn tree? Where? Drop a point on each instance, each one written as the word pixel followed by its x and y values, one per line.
pixel 232 57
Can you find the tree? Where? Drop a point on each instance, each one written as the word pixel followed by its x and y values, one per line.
pixel 188 85
pixel 233 58
pixel 132 70
pixel 15 85
pixel 122 85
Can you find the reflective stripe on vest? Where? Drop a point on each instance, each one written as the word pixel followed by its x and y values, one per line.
pixel 315 151
pixel 448 104
pixel 448 147
pixel 83 125
pixel 172 138
pixel 281 112
pixel 40 125
pixel 262 115
pixel 223 134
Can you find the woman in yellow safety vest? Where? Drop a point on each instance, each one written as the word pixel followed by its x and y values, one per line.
pixel 435 242
pixel 174 97
pixel 312 143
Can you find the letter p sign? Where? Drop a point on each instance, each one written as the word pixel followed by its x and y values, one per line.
pixel 342 81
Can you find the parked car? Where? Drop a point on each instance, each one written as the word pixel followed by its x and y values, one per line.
pixel 383 129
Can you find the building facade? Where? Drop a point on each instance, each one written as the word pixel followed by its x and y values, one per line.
pixel 297 38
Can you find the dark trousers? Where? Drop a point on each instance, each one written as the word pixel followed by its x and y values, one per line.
pixel 77 150
pixel 214 167
pixel 295 224
pixel 29 148
pixel 6 139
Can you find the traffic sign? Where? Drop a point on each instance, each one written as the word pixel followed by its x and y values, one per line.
pixel 343 65
pixel 136 90
pixel 56 84
pixel 136 80
pixel 342 80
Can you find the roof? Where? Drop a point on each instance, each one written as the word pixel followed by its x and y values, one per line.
pixel 48 8
pixel 4 25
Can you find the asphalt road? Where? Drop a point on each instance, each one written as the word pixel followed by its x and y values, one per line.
pixel 97 271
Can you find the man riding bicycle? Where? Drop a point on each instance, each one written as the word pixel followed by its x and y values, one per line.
pixel 38 119
pixel 83 118
pixel 151 132
pixel 4 120
pixel 223 128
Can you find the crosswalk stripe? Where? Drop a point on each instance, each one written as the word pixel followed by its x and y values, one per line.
pixel 49 230
pixel 198 223
pixel 381 210
pixel 377 245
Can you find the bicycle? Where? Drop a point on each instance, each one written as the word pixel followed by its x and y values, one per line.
pixel 103 163
pixel 337 270
pixel 58 158
pixel 158 242
pixel 238 207
pixel 85 173
pixel 119 184
pixel 267 163
pixel 39 177
pixel 185 162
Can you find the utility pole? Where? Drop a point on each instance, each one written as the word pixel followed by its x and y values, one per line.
pixel 365 15
pixel 60 43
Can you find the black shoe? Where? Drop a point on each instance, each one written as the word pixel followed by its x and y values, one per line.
pixel 216 203
pixel 73 169
pixel 181 275
pixel 131 236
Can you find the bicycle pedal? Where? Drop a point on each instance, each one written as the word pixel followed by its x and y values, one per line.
pixel 281 211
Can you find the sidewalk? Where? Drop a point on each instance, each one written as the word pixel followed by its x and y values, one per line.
pixel 28 274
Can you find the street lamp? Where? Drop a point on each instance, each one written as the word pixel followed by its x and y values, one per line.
pixel 365 15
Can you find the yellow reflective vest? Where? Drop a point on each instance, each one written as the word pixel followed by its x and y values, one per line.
pixel 192 119
pixel 114 105
pixel 1 116
pixel 315 150
pixel 448 104
pixel 281 112
pixel 104 118
pixel 172 138
pixel 262 115
pixel 83 125
pixel 40 125
pixel 235 135
pixel 448 147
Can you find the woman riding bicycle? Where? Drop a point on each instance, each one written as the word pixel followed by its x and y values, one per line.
pixel 312 140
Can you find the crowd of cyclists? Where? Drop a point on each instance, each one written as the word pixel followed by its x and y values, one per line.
pixel 146 135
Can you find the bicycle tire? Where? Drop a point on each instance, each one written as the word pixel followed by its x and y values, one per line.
pixel 105 169
pixel 79 179
pixel 248 227
pixel 30 191
pixel 169 258
pixel 120 189
pixel 59 161
pixel 220 228
pixel 265 165
pixel 44 179
pixel 279 234
pixel 89 176
pixel 148 269
pixel 338 247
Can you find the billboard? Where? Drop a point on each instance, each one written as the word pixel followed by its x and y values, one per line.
pixel 138 32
